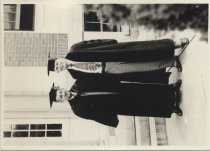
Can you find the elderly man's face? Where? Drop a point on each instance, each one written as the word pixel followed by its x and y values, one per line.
pixel 62 95
pixel 61 64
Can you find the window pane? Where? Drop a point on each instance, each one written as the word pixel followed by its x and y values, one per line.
pixel 20 134
pixel 54 126
pixel 6 17
pixel 7 134
pixel 110 27
pixel 92 27
pixel 91 16
pixel 114 28
pixel 105 20
pixel 9 8
pixel 27 17
pixel 9 16
pixel 37 126
pixel 37 134
pixel 106 27
pixel 54 133
pixel 21 127
pixel 9 25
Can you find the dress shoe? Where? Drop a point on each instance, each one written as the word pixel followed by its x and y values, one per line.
pixel 177 98
pixel 178 111
pixel 177 85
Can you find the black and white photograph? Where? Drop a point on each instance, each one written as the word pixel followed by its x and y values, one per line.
pixel 104 75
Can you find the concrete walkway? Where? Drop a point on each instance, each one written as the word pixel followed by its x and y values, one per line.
pixel 191 128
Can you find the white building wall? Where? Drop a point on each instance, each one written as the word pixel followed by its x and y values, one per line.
pixel 26 88
pixel 32 79
pixel 73 134
pixel 49 18
pixel 60 18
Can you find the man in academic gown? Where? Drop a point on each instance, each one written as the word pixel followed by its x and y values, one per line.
pixel 143 61
pixel 103 101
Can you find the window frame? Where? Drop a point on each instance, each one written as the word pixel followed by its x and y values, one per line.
pixel 29 130
pixel 18 18
pixel 100 22
pixel 10 122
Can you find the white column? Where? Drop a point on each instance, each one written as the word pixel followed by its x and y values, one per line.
pixel 153 134
pixel 130 130
pixel 138 130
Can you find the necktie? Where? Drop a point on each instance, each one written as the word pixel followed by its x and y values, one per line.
pixel 87 66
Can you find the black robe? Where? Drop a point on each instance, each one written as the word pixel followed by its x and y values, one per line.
pixel 157 76
pixel 109 50
pixel 134 99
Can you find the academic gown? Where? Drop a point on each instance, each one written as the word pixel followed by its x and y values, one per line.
pixel 112 51
pixel 107 50
pixel 157 76
pixel 103 101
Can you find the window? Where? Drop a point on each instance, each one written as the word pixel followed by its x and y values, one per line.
pixel 33 130
pixel 19 17
pixel 11 16
pixel 94 21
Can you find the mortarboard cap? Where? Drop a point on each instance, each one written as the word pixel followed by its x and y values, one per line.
pixel 52 95
pixel 51 65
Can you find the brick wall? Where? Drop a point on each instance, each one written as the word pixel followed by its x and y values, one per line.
pixel 31 49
